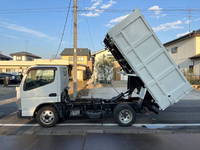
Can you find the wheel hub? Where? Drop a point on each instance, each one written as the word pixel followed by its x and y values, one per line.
pixel 125 116
pixel 47 117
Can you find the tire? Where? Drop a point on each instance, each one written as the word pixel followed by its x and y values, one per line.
pixel 124 115
pixel 47 116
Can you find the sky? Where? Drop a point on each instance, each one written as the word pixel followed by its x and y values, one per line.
pixel 36 25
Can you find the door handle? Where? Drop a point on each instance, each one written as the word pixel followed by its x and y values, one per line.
pixel 52 95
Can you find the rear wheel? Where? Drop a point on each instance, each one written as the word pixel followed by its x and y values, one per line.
pixel 47 116
pixel 124 115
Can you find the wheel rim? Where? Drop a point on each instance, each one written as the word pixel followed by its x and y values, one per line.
pixel 125 116
pixel 47 117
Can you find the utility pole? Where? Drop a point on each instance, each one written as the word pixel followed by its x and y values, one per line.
pixel 75 51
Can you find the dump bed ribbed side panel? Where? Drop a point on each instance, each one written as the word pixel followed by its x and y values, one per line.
pixel 144 54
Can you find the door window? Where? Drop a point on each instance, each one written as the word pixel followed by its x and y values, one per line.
pixel 38 77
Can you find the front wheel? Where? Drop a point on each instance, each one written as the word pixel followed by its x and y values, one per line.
pixel 47 116
pixel 124 115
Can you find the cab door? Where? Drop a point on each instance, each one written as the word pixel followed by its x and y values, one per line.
pixel 40 86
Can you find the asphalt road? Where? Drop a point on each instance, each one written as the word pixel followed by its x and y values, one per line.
pixel 184 112
pixel 103 142
pixel 85 134
pixel 8 92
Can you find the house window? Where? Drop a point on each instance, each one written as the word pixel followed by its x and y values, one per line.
pixel 191 69
pixel 18 58
pixel 8 70
pixel 29 58
pixel 174 50
pixel 70 58
pixel 80 59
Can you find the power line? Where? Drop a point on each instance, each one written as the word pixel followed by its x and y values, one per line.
pixel 61 9
pixel 145 10
pixel 90 34
pixel 32 9
pixel 64 27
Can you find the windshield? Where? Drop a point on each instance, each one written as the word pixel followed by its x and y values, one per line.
pixel 38 77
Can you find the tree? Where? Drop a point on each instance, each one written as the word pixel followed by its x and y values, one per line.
pixel 104 68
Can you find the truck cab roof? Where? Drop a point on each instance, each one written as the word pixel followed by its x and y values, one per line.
pixel 47 66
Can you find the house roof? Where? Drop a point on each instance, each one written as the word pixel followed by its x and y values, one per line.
pixel 4 57
pixel 97 52
pixel 195 56
pixel 24 54
pixel 80 52
pixel 184 37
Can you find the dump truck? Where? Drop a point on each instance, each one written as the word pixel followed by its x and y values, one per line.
pixel 154 81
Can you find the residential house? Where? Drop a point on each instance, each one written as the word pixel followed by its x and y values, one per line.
pixel 24 56
pixel 19 62
pixel 23 60
pixel 84 63
pixel 185 51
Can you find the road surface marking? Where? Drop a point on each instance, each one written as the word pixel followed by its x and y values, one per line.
pixel 18 125
pixel 7 101
pixel 151 126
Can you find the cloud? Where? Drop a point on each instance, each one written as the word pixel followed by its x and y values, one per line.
pixel 157 10
pixel 90 14
pixel 179 24
pixel 23 29
pixel 108 5
pixel 116 20
pixel 94 5
pixel 97 8
pixel 168 26
pixel 182 34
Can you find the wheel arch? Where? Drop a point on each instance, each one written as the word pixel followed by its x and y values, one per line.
pixel 55 105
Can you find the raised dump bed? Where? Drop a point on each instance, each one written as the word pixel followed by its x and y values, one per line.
pixel 138 50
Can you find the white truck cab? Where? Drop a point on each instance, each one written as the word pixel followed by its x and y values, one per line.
pixel 39 86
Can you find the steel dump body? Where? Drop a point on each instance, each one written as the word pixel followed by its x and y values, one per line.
pixel 138 50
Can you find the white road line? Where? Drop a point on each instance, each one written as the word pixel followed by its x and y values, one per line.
pixel 7 101
pixel 18 125
pixel 105 124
